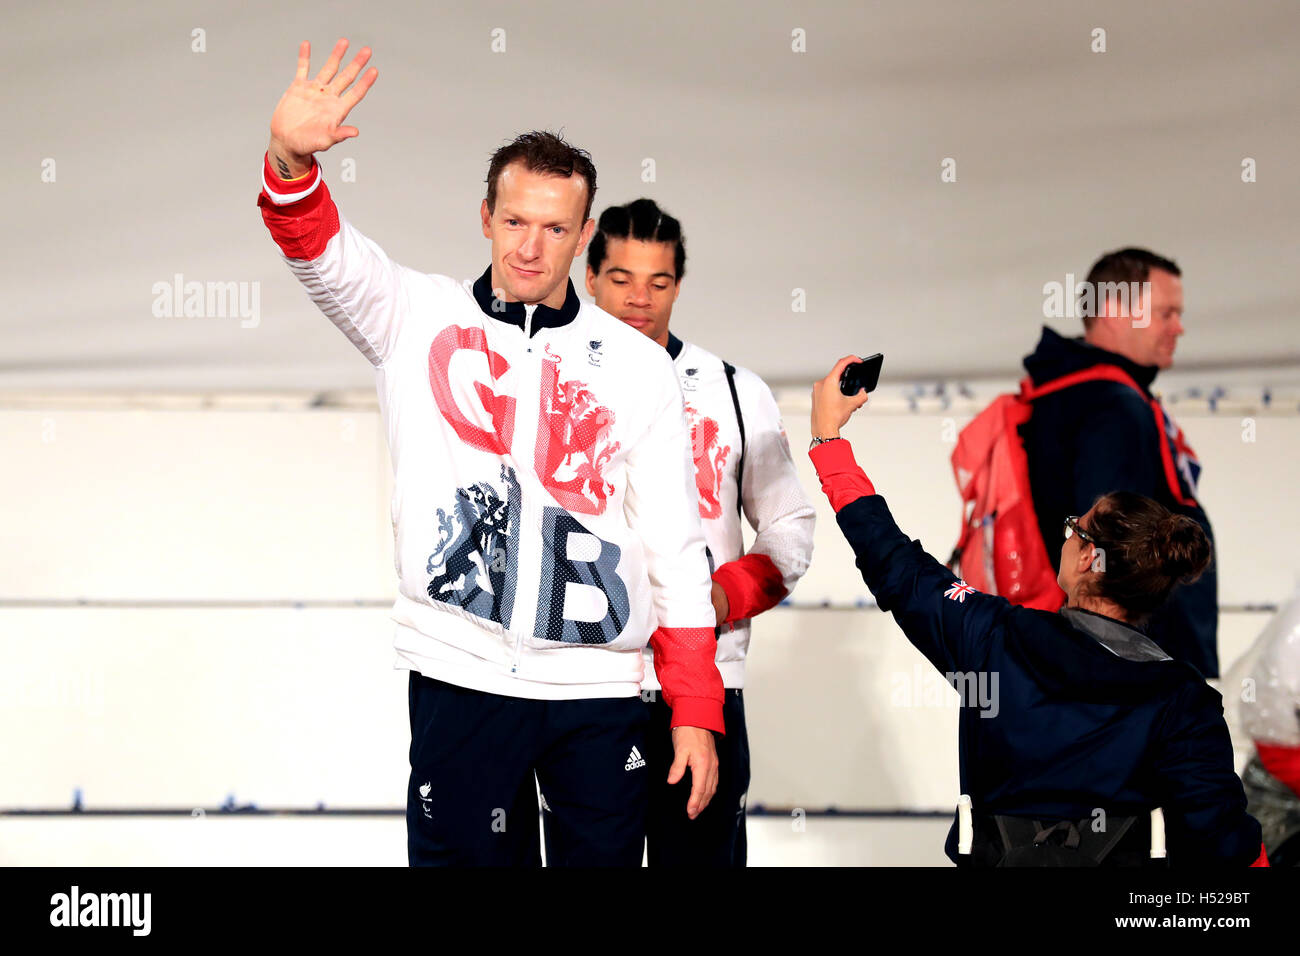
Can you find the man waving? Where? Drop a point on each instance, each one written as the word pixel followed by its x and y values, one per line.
pixel 542 506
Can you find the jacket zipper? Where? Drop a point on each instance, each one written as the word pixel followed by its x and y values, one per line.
pixel 528 349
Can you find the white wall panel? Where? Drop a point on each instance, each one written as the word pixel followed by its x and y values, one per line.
pixel 145 504
pixel 220 840
pixel 225 505
pixel 291 708
pixel 184 705
pixel 181 708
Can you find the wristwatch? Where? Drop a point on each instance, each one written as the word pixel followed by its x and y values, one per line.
pixel 821 441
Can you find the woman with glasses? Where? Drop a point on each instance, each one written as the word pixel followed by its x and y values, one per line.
pixel 1090 725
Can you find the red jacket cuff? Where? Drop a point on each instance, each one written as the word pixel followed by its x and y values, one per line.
pixel 304 227
pixel 272 178
pixel 752 583
pixel 698 712
pixel 688 673
pixel 842 480
pixel 310 190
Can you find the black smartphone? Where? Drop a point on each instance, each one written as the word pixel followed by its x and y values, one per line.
pixel 862 376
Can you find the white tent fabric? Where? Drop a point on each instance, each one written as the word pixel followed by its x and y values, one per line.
pixel 133 159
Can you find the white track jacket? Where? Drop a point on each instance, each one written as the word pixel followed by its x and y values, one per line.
pixel 544 503
pixel 768 489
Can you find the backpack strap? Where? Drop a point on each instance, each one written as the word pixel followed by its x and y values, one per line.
pixel 740 420
pixel 1113 373
pixel 1097 373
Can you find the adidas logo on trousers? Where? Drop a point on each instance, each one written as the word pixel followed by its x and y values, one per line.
pixel 634 760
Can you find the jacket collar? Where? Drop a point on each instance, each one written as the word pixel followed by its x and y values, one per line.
pixel 514 313
pixel 674 346
pixel 1116 636
pixel 1056 356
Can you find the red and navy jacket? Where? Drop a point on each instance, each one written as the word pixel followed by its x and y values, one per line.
pixel 1084 712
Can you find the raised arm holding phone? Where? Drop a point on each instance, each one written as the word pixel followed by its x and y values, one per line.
pixel 1088 713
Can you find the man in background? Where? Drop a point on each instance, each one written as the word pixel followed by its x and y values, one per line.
pixel 1097 437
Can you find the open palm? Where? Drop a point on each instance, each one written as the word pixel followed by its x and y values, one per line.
pixel 307 119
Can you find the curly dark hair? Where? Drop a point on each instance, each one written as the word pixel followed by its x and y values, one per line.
pixel 1148 551
pixel 644 220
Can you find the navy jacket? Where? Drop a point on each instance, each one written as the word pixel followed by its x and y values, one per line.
pixel 1097 437
pixel 1085 713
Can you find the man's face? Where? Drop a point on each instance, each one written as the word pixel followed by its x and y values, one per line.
pixel 638 284
pixel 1150 337
pixel 536 230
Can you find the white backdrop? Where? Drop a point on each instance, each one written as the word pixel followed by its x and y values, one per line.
pixel 227 518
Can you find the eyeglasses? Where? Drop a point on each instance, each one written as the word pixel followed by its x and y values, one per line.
pixel 1072 527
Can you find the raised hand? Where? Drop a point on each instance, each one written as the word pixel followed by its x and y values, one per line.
pixel 831 408
pixel 307 119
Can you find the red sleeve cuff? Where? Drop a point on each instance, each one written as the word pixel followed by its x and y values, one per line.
pixel 1262 859
pixel 692 687
pixel 292 198
pixel 752 583
pixel 304 227
pixel 272 178
pixel 842 480
pixel 698 712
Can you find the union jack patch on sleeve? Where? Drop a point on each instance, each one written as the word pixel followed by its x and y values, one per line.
pixel 958 591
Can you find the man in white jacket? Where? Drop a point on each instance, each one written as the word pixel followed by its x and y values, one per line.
pixel 635 265
pixel 541 476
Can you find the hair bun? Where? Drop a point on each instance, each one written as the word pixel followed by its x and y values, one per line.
pixel 1182 548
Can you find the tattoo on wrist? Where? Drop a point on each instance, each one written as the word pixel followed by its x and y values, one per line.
pixel 283 168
